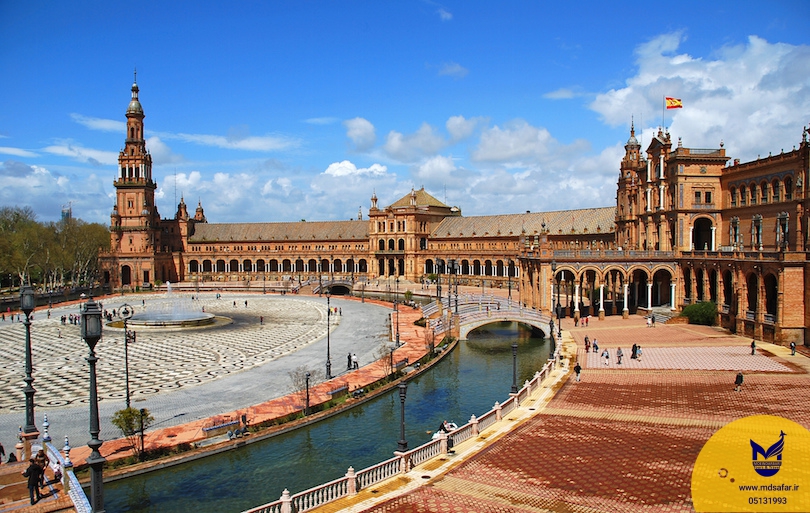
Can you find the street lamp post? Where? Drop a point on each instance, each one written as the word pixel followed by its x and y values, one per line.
pixel 509 279
pixel 402 445
pixel 91 333
pixel 396 309
pixel 514 367
pixel 328 329
pixel 558 306
pixel 125 313
pixel 27 306
pixel 27 303
pixel 438 281
pixel 141 455
pixel 306 405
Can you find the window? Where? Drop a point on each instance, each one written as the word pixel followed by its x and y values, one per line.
pixel 753 194
pixel 756 232
pixel 733 192
pixel 763 192
pixel 707 196
pixel 697 196
pixel 789 188
pixel 775 190
pixel 734 233
pixel 782 231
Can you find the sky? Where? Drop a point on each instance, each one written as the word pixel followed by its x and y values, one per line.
pixel 287 110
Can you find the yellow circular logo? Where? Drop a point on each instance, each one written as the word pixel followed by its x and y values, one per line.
pixel 758 463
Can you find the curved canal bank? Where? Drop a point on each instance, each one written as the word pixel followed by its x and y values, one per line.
pixel 467 381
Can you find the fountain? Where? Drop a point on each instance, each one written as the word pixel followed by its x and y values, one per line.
pixel 171 313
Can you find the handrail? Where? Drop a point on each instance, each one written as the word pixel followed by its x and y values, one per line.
pixel 403 462
pixel 74 488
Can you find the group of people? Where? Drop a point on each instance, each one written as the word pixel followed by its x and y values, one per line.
pixel 36 474
pixel 351 362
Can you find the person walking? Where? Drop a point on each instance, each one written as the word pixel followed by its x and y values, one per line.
pixel 595 346
pixel 587 344
pixel 619 355
pixel 652 318
pixel 33 473
pixel 638 353
pixel 355 363
pixel 738 381
pixel 43 461
pixel 349 362
pixel 793 349
pixel 634 352
pixel 606 356
pixel 577 370
pixel 753 347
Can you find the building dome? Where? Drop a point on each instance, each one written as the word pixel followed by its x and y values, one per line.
pixel 134 104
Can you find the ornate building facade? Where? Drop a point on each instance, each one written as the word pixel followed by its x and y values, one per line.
pixel 689 225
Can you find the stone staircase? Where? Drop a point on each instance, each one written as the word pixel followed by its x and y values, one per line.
pixel 14 492
pixel 663 314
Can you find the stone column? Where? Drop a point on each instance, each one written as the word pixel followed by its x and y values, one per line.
pixel 673 307
pixel 649 295
pixel 601 301
pixel 714 239
pixel 626 310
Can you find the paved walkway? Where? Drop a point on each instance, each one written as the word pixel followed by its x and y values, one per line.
pixel 625 438
pixel 181 376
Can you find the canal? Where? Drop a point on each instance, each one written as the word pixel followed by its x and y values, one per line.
pixel 469 381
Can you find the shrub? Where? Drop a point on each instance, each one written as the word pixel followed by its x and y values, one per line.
pixel 704 313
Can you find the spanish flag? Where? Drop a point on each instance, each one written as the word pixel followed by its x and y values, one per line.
pixel 673 103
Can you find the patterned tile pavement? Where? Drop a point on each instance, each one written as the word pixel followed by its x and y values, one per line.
pixel 625 438
pixel 160 360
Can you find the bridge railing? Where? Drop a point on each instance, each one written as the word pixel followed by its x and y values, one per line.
pixel 403 462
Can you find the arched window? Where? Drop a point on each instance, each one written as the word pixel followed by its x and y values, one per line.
pixel 763 191
pixel 788 188
pixel 775 191
pixel 391 244
pixel 743 195
pixel 401 244
pixel 382 245
pixel 733 193
pixel 753 197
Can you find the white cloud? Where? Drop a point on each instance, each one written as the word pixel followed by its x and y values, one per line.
pixel 103 125
pixel 516 141
pixel 161 153
pixel 188 182
pixel 247 143
pixel 17 152
pixel 750 95
pixel 560 94
pixel 460 127
pixel 361 132
pixel 81 154
pixel 346 168
pixel 408 148
pixel 444 14
pixel 321 121
pixel 46 191
pixel 453 69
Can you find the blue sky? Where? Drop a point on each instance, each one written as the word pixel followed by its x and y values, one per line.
pixel 288 110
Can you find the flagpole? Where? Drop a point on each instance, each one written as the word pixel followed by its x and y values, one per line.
pixel 663 110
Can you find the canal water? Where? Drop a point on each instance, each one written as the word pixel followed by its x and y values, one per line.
pixel 469 381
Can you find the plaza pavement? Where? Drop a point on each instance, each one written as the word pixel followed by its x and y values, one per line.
pixel 182 376
pixel 623 439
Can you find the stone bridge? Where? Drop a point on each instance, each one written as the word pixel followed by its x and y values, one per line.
pixel 470 311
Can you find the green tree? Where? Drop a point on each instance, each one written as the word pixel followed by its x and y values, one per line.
pixel 704 313
pixel 129 421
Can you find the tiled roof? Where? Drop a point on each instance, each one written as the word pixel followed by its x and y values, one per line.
pixel 423 199
pixel 294 231
pixel 562 222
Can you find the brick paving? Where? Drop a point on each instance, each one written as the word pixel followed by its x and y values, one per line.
pixel 626 437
